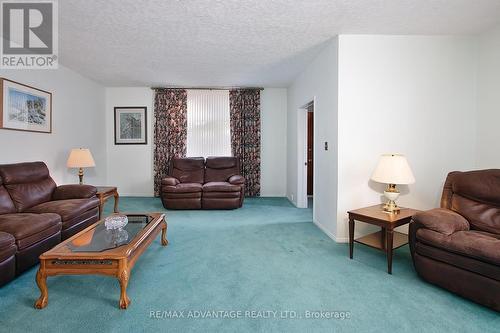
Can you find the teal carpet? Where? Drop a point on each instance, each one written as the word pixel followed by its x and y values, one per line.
pixel 267 256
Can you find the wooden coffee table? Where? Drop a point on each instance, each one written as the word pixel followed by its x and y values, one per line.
pixel 94 251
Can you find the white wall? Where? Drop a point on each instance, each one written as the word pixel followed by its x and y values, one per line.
pixel 130 167
pixel 273 135
pixel 78 104
pixel 409 94
pixel 488 97
pixel 318 81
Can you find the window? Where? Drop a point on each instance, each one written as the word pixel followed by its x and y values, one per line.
pixel 208 127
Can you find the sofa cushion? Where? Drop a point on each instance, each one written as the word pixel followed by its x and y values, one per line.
pixel 237 180
pixel 67 209
pixel 170 181
pixel 74 191
pixel 221 162
pixel 221 187
pixel 188 170
pixel 28 184
pixel 220 169
pixel 479 185
pixel 481 216
pixel 442 220
pixel 474 244
pixel 183 188
pixel 476 196
pixel 31 194
pixel 6 239
pixel 80 222
pixel 19 173
pixel 220 195
pixel 457 260
pixel 6 203
pixel 7 246
pixel 29 228
pixel 179 195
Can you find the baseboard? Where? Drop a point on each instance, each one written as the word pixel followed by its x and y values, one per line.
pixel 270 195
pixel 329 234
pixel 292 202
pixel 150 195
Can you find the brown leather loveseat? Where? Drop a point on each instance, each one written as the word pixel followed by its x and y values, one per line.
pixel 194 183
pixel 35 214
pixel 457 246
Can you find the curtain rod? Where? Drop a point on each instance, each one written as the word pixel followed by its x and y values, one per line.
pixel 207 88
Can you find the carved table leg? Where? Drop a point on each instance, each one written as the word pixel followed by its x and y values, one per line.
pixel 41 281
pixel 123 279
pixel 117 199
pixel 164 240
pixel 101 206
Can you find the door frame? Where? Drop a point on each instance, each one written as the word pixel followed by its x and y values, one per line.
pixel 302 197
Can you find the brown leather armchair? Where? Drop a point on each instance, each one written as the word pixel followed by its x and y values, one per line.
pixel 457 246
pixel 35 214
pixel 194 183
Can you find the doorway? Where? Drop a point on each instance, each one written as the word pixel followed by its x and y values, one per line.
pixel 310 152
pixel 305 155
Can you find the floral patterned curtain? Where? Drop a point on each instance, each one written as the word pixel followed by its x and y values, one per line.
pixel 245 135
pixel 170 132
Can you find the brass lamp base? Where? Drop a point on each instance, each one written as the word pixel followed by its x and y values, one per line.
pixel 391 194
pixel 80 176
pixel 391 207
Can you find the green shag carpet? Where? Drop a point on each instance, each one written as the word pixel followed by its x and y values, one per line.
pixel 263 268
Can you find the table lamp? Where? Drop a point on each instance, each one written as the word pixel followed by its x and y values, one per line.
pixel 392 169
pixel 80 158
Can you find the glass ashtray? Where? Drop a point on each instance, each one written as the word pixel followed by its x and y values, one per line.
pixel 115 222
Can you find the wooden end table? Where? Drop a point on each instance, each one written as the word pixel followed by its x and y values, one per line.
pixel 103 194
pixel 387 239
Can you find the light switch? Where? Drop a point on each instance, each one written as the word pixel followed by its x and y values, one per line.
pixel 326 145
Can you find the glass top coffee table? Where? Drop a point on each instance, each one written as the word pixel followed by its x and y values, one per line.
pixel 96 250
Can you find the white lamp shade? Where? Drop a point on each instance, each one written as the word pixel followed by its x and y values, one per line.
pixel 393 169
pixel 80 158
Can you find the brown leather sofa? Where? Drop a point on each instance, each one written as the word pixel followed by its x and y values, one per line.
pixel 35 214
pixel 457 246
pixel 194 183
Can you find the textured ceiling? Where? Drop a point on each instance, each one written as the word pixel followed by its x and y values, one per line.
pixel 232 43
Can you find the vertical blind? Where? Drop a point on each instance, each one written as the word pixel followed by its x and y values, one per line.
pixel 208 124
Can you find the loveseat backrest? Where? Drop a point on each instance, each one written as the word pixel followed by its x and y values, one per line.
pixel 188 169
pixel 6 204
pixel 219 169
pixel 28 184
pixel 476 196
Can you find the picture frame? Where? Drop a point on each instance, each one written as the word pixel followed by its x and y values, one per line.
pixel 131 127
pixel 24 108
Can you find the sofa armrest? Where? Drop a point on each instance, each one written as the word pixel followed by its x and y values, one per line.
pixel 170 181
pixel 236 180
pixel 442 220
pixel 74 191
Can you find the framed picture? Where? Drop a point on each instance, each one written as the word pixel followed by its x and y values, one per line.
pixel 25 108
pixel 131 125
